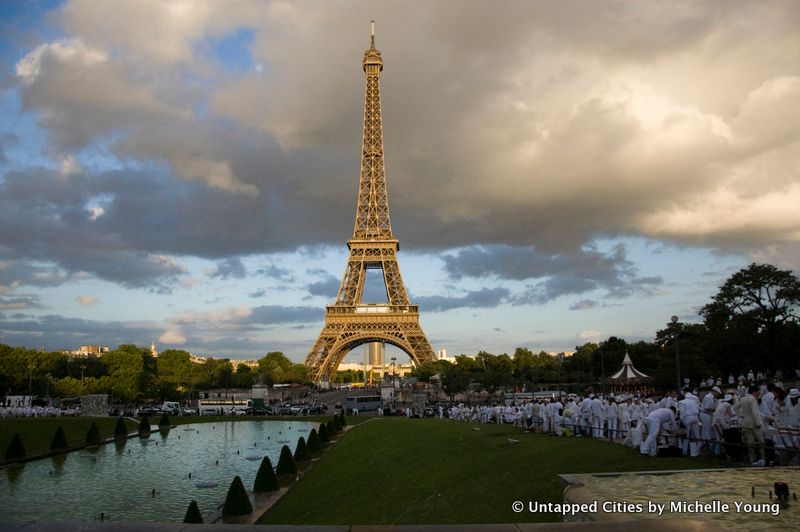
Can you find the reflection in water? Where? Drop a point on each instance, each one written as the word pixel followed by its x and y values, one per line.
pixel 58 461
pixel 144 482
pixel 14 472
pixel 119 445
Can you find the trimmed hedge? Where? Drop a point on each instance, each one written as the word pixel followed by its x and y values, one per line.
pixel 301 452
pixel 93 435
pixel 144 427
pixel 193 514
pixel 164 421
pixel 236 501
pixel 331 429
pixel 287 468
pixel 15 451
pixel 266 480
pixel 324 437
pixel 314 444
pixel 59 441
pixel 120 430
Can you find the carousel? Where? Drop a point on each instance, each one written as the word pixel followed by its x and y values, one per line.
pixel 629 380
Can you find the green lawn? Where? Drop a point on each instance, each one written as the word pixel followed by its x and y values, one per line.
pixel 411 471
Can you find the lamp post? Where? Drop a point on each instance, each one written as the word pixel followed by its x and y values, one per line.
pixel 674 320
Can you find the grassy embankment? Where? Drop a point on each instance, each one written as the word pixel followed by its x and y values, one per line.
pixel 37 432
pixel 411 471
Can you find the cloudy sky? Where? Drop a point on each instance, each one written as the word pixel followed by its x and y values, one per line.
pixel 558 171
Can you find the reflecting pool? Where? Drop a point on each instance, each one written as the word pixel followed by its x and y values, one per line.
pixel 146 480
pixel 745 498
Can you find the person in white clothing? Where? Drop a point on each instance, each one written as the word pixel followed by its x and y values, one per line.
pixel 690 410
pixel 598 417
pixel 707 408
pixel 612 414
pixel 660 418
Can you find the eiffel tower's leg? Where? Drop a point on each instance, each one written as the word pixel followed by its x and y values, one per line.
pixel 352 286
pixel 395 289
pixel 318 356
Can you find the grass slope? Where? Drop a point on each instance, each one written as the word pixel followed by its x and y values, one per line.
pixel 37 432
pixel 411 471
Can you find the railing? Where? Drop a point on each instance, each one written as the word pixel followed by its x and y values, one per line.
pixel 372 309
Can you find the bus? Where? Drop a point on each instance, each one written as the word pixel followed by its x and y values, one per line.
pixel 364 403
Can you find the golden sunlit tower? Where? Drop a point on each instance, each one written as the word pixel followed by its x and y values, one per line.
pixel 349 322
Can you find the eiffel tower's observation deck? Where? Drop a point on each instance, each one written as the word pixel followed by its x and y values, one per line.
pixel 350 322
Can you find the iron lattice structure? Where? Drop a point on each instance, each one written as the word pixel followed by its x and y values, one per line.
pixel 348 322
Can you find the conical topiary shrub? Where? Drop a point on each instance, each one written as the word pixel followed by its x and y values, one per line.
pixel 15 451
pixel 287 468
pixel 301 453
pixel 342 419
pixel 120 430
pixel 331 429
pixel 193 514
pixel 236 501
pixel 164 421
pixel 323 434
pixel 59 441
pixel 93 435
pixel 144 427
pixel 337 424
pixel 266 480
pixel 314 445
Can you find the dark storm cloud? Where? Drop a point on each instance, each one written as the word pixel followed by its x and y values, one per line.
pixel 327 287
pixel 276 272
pixel 483 298
pixel 69 333
pixel 275 314
pixel 19 302
pixel 534 126
pixel 230 268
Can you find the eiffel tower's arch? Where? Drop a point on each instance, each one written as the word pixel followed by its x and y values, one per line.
pixel 349 322
pixel 340 351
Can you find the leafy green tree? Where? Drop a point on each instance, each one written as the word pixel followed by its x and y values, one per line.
pixel 753 319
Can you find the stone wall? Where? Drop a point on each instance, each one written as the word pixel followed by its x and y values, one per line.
pixel 94 405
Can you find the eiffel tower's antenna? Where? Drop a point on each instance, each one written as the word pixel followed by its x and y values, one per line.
pixel 349 322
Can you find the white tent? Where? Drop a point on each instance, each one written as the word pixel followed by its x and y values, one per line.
pixel 628 372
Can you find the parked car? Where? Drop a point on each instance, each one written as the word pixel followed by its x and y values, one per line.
pixel 257 411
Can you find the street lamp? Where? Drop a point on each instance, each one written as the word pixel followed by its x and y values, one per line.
pixel 674 320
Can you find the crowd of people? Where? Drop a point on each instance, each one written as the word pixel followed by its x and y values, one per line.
pixel 685 421
pixel 8 409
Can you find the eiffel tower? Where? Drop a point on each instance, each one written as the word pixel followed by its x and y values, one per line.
pixel 348 322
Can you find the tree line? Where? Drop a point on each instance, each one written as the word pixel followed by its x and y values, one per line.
pixel 750 323
pixel 131 374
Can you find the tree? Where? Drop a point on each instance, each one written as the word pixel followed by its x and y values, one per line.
pixel 753 319
pixel 760 293
pixel 237 501
pixel 266 480
pixel 193 514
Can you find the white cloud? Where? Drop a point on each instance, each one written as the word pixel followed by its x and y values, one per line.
pixel 172 336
